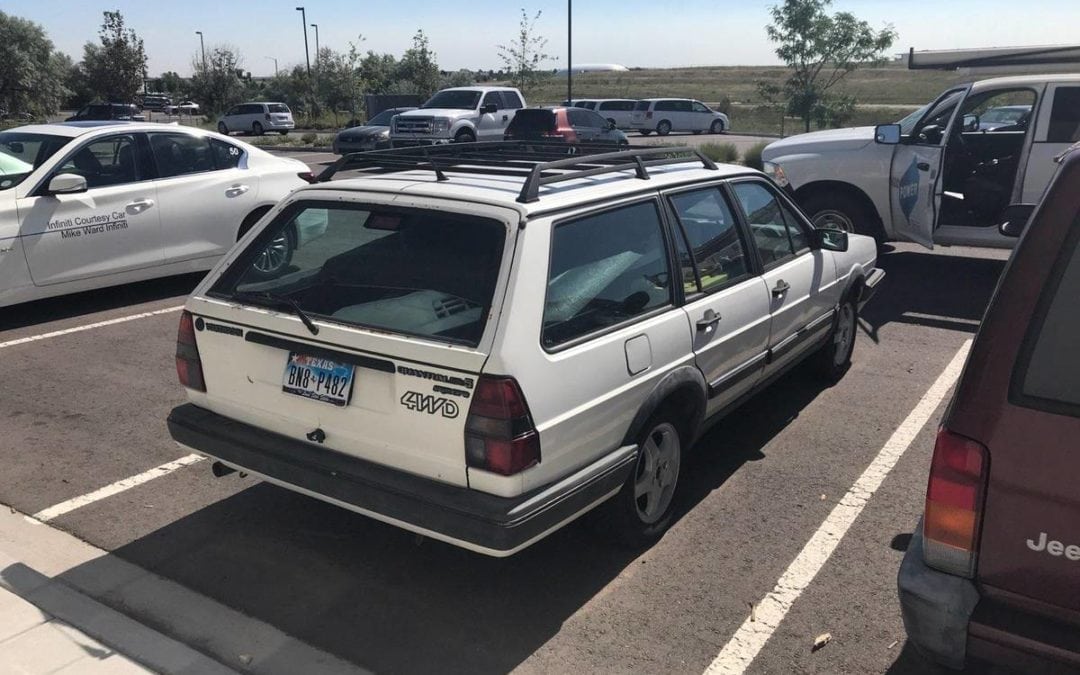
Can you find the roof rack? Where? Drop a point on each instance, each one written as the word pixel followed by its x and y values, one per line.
pixel 541 163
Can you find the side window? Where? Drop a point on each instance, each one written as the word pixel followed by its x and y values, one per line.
pixel 179 154
pixel 493 98
pixel 226 155
pixel 699 107
pixel 683 106
pixel 595 120
pixel 605 269
pixel 626 106
pixel 232 111
pixel 106 161
pixel 608 105
pixel 1065 116
pixel 512 101
pixel 776 233
pixel 580 118
pixel 665 106
pixel 713 237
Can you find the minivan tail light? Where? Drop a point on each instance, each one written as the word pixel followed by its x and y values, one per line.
pixel 188 363
pixel 499 432
pixel 954 500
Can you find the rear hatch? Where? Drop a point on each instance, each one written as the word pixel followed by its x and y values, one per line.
pixel 279 112
pixel 640 114
pixel 405 304
pixel 530 123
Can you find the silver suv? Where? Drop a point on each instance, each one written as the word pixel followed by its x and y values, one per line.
pixel 487 341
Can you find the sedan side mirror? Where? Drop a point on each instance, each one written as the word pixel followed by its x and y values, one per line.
pixel 828 239
pixel 66 184
pixel 1015 219
pixel 887 134
pixel 489 108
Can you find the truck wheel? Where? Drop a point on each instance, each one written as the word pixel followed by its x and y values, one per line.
pixel 839 211
pixel 664 128
pixel 464 136
pixel 643 509
pixel 833 359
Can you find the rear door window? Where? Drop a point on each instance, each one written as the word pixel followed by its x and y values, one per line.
pixel 642 106
pixel 511 101
pixel 1065 116
pixel 1048 371
pixel 605 269
pixel 180 154
pixel 718 252
pixel 411 271
pixel 582 119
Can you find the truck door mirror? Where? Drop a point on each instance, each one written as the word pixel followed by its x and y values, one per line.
pixel 887 134
pixel 1015 218
pixel 489 108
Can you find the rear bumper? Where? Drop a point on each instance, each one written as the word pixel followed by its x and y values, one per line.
pixel 870 286
pixel 936 607
pixel 474 520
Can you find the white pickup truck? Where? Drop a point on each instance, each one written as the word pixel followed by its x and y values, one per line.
pixel 458 115
pixel 944 174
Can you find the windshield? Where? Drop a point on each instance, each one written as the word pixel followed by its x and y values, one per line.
pixel 21 153
pixel 412 271
pixel 382 119
pixel 464 99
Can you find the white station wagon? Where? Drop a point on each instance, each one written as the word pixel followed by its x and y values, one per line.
pixel 482 347
pixel 87 205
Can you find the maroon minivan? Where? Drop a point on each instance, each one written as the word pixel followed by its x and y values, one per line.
pixel 993 573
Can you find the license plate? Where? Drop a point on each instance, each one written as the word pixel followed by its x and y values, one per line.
pixel 318 379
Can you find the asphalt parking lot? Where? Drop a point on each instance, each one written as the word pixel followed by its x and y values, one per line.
pixel 89 380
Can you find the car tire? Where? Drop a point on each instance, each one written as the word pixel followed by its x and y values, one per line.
pixel 663 128
pixel 644 508
pixel 283 132
pixel 837 210
pixel 222 129
pixel 833 359
pixel 256 128
pixel 464 136
pixel 644 132
pixel 717 127
pixel 276 257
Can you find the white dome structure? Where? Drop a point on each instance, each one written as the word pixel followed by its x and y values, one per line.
pixel 595 68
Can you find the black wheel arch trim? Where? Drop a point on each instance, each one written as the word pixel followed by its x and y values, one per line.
pixel 684 378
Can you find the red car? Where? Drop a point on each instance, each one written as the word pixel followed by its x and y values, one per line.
pixel 569 125
pixel 993 574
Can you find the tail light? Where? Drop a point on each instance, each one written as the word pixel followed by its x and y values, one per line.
pixel 499 433
pixel 267 116
pixel 954 499
pixel 188 363
pixel 307 175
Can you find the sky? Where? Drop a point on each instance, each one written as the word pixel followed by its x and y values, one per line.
pixel 646 33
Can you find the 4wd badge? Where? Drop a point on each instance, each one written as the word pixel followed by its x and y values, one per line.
pixel 426 403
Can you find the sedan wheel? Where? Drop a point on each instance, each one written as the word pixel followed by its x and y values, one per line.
pixel 657 473
pixel 273 259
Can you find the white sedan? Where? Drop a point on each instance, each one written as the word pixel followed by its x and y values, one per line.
pixel 87 205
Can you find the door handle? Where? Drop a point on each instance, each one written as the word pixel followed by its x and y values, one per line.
pixel 923 166
pixel 138 206
pixel 236 190
pixel 780 288
pixel 708 320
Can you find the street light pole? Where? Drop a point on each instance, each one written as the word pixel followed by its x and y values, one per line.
pixel 307 55
pixel 202 48
pixel 316 27
pixel 569 52
pixel 275 63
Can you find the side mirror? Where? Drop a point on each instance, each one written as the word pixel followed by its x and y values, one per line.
pixel 970 123
pixel 887 134
pixel 1015 219
pixel 66 184
pixel 828 239
pixel 611 126
pixel 489 108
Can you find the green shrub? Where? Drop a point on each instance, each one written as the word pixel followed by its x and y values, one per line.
pixel 752 158
pixel 309 138
pixel 725 153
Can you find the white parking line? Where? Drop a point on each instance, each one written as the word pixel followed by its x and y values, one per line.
pixel 748 640
pixel 119 486
pixel 89 326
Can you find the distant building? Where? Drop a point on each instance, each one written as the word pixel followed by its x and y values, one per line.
pixel 595 68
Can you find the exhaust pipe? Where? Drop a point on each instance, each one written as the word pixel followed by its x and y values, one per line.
pixel 220 469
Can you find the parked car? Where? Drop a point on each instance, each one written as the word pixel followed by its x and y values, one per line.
pixel 97 112
pixel 458 115
pixel 1013 117
pixel 618 111
pixel 257 119
pixel 481 348
pixel 664 115
pixel 373 135
pixel 572 125
pixel 184 108
pixel 935 177
pixel 992 573
pixel 87 205
pixel 158 102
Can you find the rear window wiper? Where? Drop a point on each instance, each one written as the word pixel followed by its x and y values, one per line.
pixel 268 299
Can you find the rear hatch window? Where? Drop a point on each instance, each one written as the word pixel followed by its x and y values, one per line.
pixel 531 122
pixel 642 106
pixel 413 272
pixel 278 108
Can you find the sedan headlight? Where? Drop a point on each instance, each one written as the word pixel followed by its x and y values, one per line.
pixel 440 125
pixel 776 172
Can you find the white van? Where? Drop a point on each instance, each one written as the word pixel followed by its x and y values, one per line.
pixel 257 118
pixel 664 115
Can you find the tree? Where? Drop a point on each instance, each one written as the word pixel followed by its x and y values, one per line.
pixel 219 83
pixel 523 56
pixel 33 75
pixel 378 72
pixel 170 82
pixel 115 69
pixel 338 83
pixel 820 50
pixel 418 66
